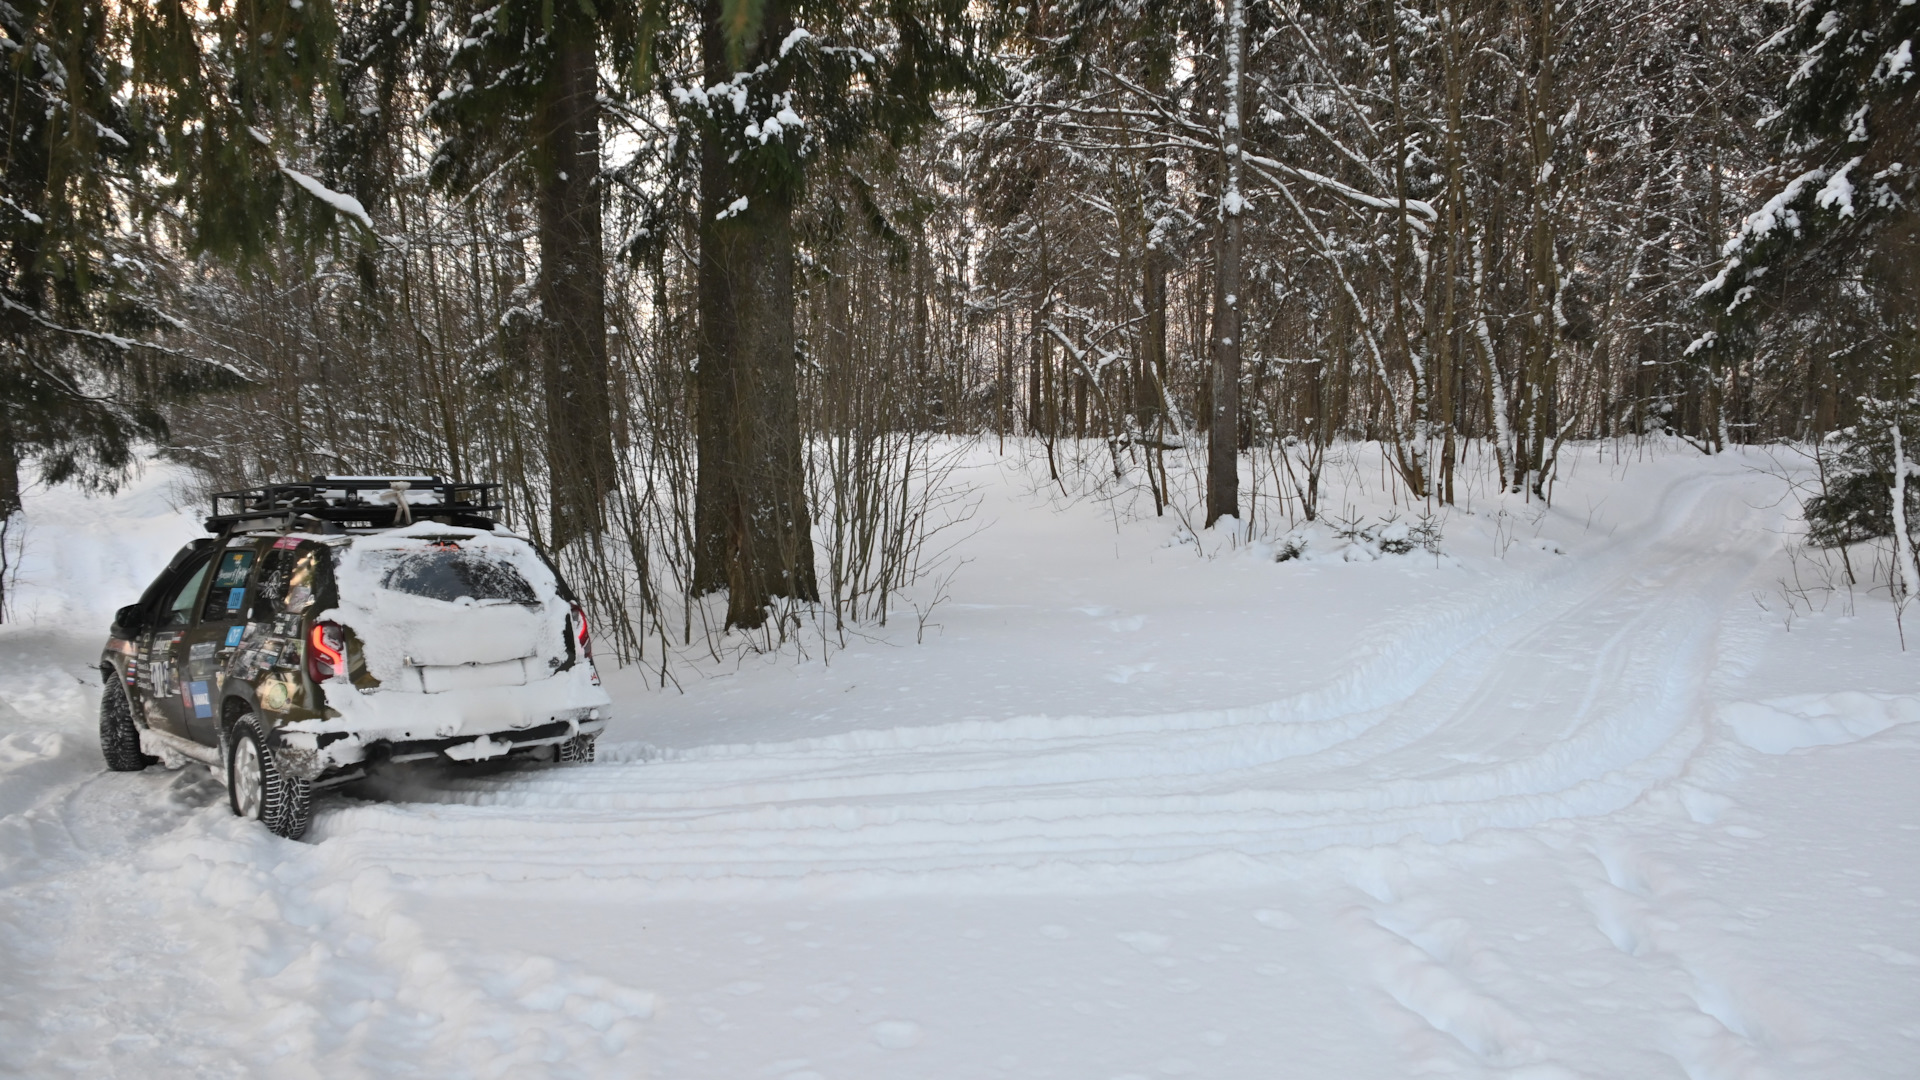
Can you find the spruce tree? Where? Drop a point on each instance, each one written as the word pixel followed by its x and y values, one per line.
pixel 523 90
pixel 1845 225
pixel 786 85
pixel 80 383
pixel 1841 238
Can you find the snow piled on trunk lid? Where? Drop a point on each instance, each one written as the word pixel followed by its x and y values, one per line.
pixel 402 629
pixel 406 595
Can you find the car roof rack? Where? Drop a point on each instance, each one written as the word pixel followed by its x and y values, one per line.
pixel 337 503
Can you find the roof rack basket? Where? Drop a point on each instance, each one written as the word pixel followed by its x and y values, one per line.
pixel 355 502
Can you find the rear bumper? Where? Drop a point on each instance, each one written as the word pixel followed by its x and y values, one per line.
pixel 461 724
pixel 316 756
pixel 497 744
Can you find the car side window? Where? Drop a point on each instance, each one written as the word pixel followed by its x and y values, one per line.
pixel 303 585
pixel 270 588
pixel 179 608
pixel 288 581
pixel 229 592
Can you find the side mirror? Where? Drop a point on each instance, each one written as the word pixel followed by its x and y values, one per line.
pixel 130 618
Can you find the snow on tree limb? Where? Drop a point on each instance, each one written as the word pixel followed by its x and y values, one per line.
pixel 340 202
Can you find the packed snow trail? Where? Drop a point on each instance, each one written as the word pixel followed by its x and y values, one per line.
pixel 1560 697
pixel 1600 814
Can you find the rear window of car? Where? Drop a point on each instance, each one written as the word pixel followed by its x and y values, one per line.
pixel 451 574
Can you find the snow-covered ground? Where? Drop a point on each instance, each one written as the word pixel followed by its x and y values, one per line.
pixel 1603 791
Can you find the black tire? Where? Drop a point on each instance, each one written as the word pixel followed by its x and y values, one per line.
pixel 258 789
pixel 296 807
pixel 119 739
pixel 577 750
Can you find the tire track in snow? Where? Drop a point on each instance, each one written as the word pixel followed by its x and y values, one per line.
pixel 180 941
pixel 1566 694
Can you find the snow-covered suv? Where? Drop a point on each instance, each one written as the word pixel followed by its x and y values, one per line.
pixel 336 624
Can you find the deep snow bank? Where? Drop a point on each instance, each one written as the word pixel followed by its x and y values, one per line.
pixel 1784 725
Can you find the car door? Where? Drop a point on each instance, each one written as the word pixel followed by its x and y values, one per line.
pixel 172 617
pixel 202 652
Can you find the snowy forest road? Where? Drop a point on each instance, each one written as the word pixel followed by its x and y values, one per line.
pixel 1569 699
pixel 1513 835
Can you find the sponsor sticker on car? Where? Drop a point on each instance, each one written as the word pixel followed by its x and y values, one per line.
pixel 234 567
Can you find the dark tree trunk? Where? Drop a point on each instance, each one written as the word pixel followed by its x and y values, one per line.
pixel 580 456
pixel 9 472
pixel 1223 429
pixel 9 504
pixel 1036 366
pixel 1150 380
pixel 753 533
pixel 1153 346
pixel 1223 448
pixel 925 395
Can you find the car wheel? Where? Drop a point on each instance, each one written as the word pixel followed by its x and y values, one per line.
pixel 258 789
pixel 119 739
pixel 577 750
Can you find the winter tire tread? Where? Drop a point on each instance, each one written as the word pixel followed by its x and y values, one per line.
pixel 119 739
pixel 286 806
pixel 578 750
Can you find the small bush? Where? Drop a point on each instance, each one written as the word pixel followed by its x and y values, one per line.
pixel 1856 499
pixel 1395 537
pixel 1291 546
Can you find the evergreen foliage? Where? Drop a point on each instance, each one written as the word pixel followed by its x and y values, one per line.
pixel 523 95
pixel 236 92
pixel 1842 227
pixel 488 66
pixel 1856 502
pixel 1833 255
pixel 79 284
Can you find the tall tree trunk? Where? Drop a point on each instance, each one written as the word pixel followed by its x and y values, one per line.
pixel 754 535
pixel 1149 381
pixel 1223 442
pixel 1538 399
pixel 1453 68
pixel 10 504
pixel 1147 393
pixel 927 405
pixel 580 458
pixel 1036 364
pixel 1413 458
pixel 1714 435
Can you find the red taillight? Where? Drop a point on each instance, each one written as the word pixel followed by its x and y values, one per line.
pixel 326 652
pixel 583 640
